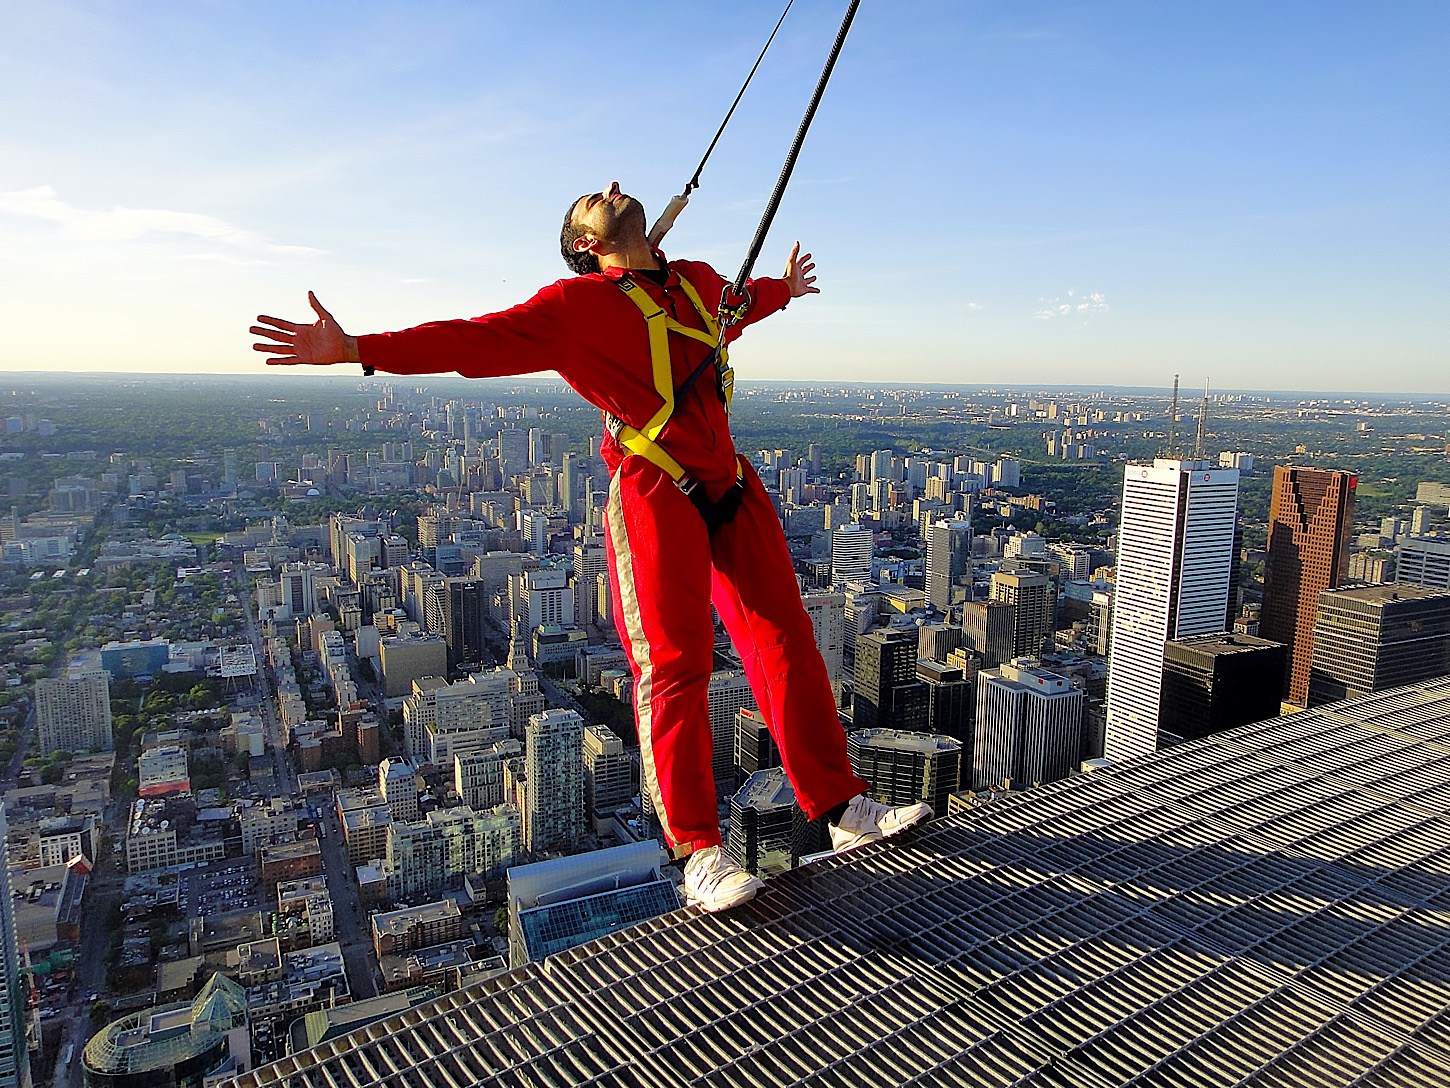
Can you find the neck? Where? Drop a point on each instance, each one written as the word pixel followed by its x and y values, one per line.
pixel 635 253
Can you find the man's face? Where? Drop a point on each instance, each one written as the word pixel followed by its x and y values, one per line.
pixel 609 214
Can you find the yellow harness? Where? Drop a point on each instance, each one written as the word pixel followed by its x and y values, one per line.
pixel 644 441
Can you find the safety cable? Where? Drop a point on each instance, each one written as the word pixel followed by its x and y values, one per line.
pixel 738 287
pixel 677 203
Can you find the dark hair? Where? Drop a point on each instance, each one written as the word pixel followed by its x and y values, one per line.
pixel 581 264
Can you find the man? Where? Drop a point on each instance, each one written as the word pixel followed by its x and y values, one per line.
pixel 688 522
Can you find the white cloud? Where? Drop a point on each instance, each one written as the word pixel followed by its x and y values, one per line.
pixel 128 224
pixel 1073 305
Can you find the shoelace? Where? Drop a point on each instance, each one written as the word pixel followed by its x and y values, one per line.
pixel 707 878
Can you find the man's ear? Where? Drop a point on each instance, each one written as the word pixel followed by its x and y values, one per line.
pixel 585 243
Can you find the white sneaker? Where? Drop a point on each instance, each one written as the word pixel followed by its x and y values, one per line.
pixel 866 821
pixel 714 882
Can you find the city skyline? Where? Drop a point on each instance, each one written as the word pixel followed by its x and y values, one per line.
pixel 993 195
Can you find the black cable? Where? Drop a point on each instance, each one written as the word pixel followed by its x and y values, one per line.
pixel 738 287
pixel 694 182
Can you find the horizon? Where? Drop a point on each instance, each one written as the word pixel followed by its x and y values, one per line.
pixel 990 192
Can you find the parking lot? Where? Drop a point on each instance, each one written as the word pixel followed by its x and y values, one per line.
pixel 220 887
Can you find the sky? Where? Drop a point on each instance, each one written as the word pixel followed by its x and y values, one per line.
pixel 1008 192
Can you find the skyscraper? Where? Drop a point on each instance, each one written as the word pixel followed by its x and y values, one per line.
pixel 887 693
pixel 948 563
pixel 1217 682
pixel 729 693
pixel 1029 727
pixel 851 547
pixel 14 1052
pixel 74 712
pixel 988 629
pixel 554 763
pixel 828 623
pixel 1424 561
pixel 768 831
pixel 905 767
pixel 948 702
pixel 1033 602
pixel 608 773
pixel 1175 551
pixel 1311 517
pixel 1368 638
pixel 467 607
pixel 755 748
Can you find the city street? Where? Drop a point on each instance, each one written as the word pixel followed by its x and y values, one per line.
pixel 351 922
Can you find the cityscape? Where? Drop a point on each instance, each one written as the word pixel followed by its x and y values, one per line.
pixel 315 710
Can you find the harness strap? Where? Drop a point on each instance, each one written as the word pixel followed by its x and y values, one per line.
pixel 643 441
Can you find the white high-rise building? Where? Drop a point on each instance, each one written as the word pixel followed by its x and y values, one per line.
pixel 828 621
pixel 14 1052
pixel 1175 553
pixel 729 692
pixel 1029 727
pixel 554 764
pixel 851 547
pixel 74 712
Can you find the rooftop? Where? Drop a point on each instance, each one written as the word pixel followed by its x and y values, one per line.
pixel 1267 906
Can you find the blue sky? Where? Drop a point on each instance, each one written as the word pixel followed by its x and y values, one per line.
pixel 995 191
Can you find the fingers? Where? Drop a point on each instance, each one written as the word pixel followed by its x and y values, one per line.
pixel 276 322
pixel 317 308
pixel 278 349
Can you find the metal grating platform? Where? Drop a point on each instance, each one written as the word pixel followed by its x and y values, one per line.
pixel 1269 906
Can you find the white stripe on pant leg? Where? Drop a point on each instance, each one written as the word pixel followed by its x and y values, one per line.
pixel 640 651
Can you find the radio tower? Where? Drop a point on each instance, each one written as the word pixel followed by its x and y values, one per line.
pixel 1173 421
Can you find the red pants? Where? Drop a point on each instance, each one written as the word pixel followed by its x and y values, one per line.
pixel 667 571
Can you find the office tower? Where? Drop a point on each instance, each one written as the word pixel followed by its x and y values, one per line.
pixel 1007 472
pixel 948 563
pixel 879 466
pixel 851 547
pixel 1423 561
pixel 1175 549
pixel 608 774
pixel 989 629
pixel 554 763
pixel 405 659
pixel 768 831
pixel 813 458
pixel 1311 518
pixel 299 596
pixel 729 693
pixel 948 702
pixel 74 712
pixel 1033 603
pixel 464 633
pixel 935 641
pixel 1369 638
pixel 588 565
pixel 755 748
pixel 1420 521
pixel 14 1052
pixel 513 452
pixel 887 693
pixel 828 623
pixel 904 768
pixel 1029 727
pixel 1217 682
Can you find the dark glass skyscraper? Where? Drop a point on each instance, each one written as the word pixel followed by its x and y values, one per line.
pixel 1368 638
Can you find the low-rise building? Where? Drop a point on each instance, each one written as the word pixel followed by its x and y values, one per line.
pixel 290 861
pixel 411 928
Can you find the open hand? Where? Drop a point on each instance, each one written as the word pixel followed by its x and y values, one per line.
pixel 320 344
pixel 798 276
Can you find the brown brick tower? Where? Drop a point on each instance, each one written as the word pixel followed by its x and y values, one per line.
pixel 1310 519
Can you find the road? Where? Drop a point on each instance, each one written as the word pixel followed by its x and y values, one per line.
pixel 351 921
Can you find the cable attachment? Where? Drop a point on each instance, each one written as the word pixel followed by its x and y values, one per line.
pixel 667 218
pixel 733 305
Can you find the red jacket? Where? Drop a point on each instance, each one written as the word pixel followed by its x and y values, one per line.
pixel 595 338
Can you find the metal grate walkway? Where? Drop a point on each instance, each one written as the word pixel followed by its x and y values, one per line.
pixel 1269 906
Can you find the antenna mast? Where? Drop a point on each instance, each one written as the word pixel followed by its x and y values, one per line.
pixel 1202 420
pixel 1173 421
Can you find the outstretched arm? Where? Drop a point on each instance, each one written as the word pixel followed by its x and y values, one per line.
pixel 319 344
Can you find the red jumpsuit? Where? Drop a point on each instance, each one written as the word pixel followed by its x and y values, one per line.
pixel 667 569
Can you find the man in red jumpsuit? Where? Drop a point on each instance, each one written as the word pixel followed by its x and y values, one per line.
pixel 668 566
